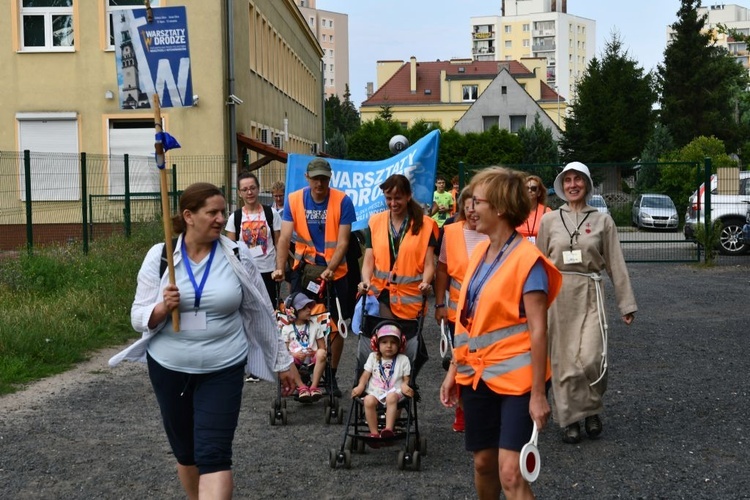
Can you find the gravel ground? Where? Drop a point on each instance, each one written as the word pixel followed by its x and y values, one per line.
pixel 675 421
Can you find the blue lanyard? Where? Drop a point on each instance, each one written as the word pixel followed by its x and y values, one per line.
pixel 473 297
pixel 387 378
pixel 306 342
pixel 198 288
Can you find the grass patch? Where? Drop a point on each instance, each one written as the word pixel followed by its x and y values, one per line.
pixel 58 305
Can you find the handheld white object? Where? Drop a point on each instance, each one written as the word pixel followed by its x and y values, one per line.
pixel 343 329
pixel 530 461
pixel 444 341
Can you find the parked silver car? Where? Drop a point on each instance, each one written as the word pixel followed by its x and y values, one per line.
pixel 597 201
pixel 656 211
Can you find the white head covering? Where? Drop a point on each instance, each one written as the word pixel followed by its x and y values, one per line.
pixel 580 168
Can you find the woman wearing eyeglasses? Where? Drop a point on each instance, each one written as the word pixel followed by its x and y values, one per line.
pixel 538 196
pixel 500 346
pixel 257 226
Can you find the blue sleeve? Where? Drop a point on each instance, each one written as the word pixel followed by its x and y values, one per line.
pixel 537 280
pixel 287 215
pixel 348 215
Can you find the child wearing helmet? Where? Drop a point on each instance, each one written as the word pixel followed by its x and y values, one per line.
pixel 304 338
pixel 385 378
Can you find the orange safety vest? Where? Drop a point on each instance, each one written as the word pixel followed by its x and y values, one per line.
pixel 530 227
pixel 402 282
pixel 457 260
pixel 497 346
pixel 304 247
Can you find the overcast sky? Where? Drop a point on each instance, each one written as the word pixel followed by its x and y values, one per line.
pixel 440 29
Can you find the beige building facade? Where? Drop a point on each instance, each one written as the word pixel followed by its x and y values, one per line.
pixel 332 31
pixel 256 71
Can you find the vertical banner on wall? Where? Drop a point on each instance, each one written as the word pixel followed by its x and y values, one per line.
pixel 361 179
pixel 152 58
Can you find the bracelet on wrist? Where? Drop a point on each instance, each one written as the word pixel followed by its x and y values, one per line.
pixel 439 306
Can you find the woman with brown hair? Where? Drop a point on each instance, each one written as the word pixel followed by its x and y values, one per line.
pixel 538 196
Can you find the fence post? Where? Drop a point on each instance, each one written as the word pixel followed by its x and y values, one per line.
pixel 707 203
pixel 127 196
pixel 175 198
pixel 84 208
pixel 27 187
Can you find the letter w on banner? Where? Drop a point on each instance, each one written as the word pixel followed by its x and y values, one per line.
pixel 361 179
pixel 152 58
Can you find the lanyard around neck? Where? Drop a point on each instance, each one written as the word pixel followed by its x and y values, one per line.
pixel 396 237
pixel 198 288
pixel 575 233
pixel 387 378
pixel 304 338
pixel 473 297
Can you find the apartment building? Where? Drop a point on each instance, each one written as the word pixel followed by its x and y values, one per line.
pixel 332 32
pixel 734 17
pixel 538 29
pixel 441 92
pixel 256 78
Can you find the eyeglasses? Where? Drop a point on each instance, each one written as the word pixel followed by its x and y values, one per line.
pixel 475 200
pixel 246 189
pixel 533 189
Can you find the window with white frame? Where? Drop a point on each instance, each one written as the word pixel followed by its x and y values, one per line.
pixel 52 139
pixel 135 138
pixel 47 25
pixel 330 38
pixel 114 5
pixel 526 27
pixel 527 43
pixel 507 28
pixel 469 92
pixel 508 44
pixel 490 121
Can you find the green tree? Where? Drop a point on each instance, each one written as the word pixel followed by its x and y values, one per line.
pixel 659 144
pixel 370 141
pixel 337 146
pixel 700 83
pixel 340 116
pixel 612 115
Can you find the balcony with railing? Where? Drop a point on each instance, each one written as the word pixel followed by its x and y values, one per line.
pixel 483 35
pixel 544 47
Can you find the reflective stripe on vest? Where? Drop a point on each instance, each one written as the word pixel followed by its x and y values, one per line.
pixel 489 338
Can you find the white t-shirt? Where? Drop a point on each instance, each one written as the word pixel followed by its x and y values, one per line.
pixel 383 381
pixel 299 338
pixel 256 233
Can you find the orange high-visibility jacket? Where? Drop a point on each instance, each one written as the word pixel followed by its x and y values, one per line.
pixel 456 261
pixel 403 280
pixel 497 346
pixel 305 248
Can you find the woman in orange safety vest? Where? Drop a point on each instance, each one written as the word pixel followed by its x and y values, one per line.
pixel 399 262
pixel 500 347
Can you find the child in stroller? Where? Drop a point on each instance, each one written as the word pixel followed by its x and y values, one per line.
pixel 305 339
pixel 385 378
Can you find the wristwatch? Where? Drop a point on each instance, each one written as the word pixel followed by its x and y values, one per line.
pixel 438 306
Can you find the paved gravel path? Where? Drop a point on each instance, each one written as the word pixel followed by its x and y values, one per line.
pixel 675 424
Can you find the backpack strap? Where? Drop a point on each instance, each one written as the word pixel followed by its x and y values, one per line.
pixel 237 223
pixel 269 219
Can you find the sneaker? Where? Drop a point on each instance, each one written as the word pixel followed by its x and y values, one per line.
pixel 252 378
pixel 572 434
pixel 303 394
pixel 374 441
pixel 459 425
pixel 593 426
pixel 315 394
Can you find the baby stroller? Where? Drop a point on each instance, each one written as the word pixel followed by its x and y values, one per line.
pixel 332 405
pixel 357 434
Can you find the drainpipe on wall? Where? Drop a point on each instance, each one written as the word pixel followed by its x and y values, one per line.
pixel 413 75
pixel 323 109
pixel 231 108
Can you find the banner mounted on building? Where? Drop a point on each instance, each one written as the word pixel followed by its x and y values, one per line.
pixel 361 179
pixel 152 58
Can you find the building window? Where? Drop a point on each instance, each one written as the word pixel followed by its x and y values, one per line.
pixel 330 52
pixel 526 27
pixel 312 21
pixel 52 139
pixel 114 5
pixel 330 23
pixel 517 122
pixel 508 44
pixel 323 37
pixel 331 68
pixel 47 25
pixel 132 137
pixel 469 92
pixel 490 121
pixel 504 90
pixel 330 38
pixel 507 28
pixel 526 42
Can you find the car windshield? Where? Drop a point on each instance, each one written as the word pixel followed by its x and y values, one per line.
pixel 656 202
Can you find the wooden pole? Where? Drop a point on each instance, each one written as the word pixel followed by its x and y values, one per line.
pixel 165 213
